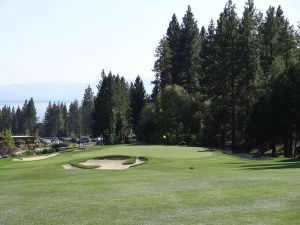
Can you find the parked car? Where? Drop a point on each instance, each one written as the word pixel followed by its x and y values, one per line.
pixel 83 140
pixel 46 140
pixel 65 139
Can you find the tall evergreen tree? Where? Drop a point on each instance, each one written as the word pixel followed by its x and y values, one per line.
pixel 24 120
pixel 269 42
pixel 17 120
pixel 102 116
pixel 173 40
pixel 87 108
pixel 162 66
pixel 208 60
pixel 73 119
pixel 248 66
pixel 111 114
pixel 6 117
pixel 189 59
pixel 30 117
pixel 122 108
pixel 48 126
pixel 137 100
pixel 55 120
pixel 226 80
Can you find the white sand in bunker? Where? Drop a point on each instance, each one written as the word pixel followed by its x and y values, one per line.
pixel 110 163
pixel 34 158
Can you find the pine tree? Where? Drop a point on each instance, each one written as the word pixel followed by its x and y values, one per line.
pixel 162 67
pixel 269 43
pixel 208 60
pixel 73 119
pixel 30 117
pixel 6 117
pixel 137 100
pixel 48 128
pixel 248 66
pixel 189 59
pixel 111 114
pixel 87 108
pixel 102 116
pixel 122 108
pixel 226 80
pixel 173 41
pixel 24 121
pixel 18 121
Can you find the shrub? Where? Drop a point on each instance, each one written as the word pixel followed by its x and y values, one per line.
pixel 57 146
pixel 6 151
pixel 28 153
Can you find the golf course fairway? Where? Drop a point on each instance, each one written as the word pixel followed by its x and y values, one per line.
pixel 177 185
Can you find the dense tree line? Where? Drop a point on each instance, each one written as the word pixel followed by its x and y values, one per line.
pixel 239 78
pixel 234 84
pixel 22 120
pixel 72 121
pixel 117 107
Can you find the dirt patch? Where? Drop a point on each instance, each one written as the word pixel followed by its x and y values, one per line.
pixel 35 158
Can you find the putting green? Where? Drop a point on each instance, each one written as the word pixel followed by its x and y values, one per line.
pixel 164 152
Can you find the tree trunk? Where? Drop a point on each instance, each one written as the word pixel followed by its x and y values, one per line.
pixel 262 149
pixel 223 137
pixel 233 129
pixel 285 147
pixel 294 144
pixel 273 146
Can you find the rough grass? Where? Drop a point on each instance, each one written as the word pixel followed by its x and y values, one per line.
pixel 129 161
pixel 221 189
pixel 78 165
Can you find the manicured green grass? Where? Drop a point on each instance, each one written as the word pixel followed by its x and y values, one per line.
pixel 220 189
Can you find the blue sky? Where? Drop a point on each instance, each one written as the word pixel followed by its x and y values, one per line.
pixel 72 40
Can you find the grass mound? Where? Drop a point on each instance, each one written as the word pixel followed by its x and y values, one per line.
pixel 129 161
pixel 81 166
pixel 113 157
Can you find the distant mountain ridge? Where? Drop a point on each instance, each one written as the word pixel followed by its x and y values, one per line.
pixel 44 91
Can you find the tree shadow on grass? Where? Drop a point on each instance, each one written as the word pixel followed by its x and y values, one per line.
pixel 210 150
pixel 271 166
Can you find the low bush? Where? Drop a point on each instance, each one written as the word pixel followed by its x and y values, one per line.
pixel 57 146
pixel 48 150
pixel 7 151
pixel 28 153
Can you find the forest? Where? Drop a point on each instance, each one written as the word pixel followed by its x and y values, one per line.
pixel 234 84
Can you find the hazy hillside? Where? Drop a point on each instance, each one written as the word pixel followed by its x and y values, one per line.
pixel 44 92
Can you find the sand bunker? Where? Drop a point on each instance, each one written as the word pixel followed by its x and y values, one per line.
pixel 34 158
pixel 110 163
